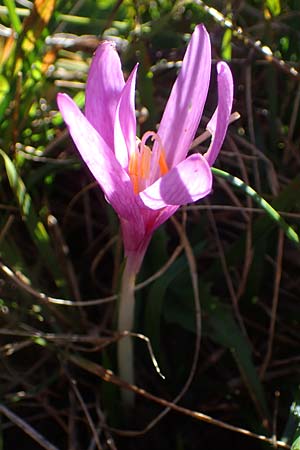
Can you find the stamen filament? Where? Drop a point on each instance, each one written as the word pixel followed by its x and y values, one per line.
pixel 133 171
pixel 140 167
pixel 145 156
pixel 163 163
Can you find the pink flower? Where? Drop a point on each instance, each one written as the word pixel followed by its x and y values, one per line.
pixel 145 187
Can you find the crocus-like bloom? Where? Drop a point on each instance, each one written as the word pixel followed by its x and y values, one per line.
pixel 146 186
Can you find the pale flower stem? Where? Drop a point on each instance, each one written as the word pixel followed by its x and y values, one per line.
pixel 125 323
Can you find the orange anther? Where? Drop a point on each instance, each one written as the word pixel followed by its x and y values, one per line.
pixel 133 170
pixel 145 160
pixel 140 162
pixel 163 163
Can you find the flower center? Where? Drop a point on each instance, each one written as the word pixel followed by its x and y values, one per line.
pixel 146 165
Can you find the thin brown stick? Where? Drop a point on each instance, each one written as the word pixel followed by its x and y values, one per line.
pixel 231 194
pixel 249 103
pixel 248 246
pixel 28 429
pixel 294 115
pixel 72 429
pixel 75 199
pixel 238 209
pixel 275 300
pixel 109 376
pixel 275 414
pixel 271 172
pixel 63 254
pixel 228 279
pixel 207 134
pixel 108 436
pixel 22 282
pixel 86 413
pixel 162 270
pixel 6 227
pixel 57 337
pixel 240 34
pixel 96 261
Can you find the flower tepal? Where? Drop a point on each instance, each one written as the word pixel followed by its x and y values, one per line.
pixel 145 183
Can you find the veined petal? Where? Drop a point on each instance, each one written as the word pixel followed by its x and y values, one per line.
pixel 218 124
pixel 164 215
pixel 101 161
pixel 135 238
pixel 185 105
pixel 104 86
pixel 189 181
pixel 125 121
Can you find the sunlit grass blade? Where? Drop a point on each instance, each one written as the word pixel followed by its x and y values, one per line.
pixel 226 45
pixel 14 18
pixel 34 24
pixel 274 7
pixel 35 227
pixel 260 201
pixel 291 432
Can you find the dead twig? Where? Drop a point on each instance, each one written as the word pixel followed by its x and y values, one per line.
pixel 275 300
pixel 28 429
pixel 109 376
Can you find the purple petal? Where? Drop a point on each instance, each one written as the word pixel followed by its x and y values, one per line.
pixel 125 122
pixel 164 215
pixel 99 158
pixel 189 181
pixel 185 105
pixel 135 239
pixel 104 86
pixel 218 124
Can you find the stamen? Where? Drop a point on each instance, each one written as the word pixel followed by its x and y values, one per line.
pixel 133 171
pixel 142 162
pixel 161 154
pixel 145 155
pixel 147 135
pixel 163 163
